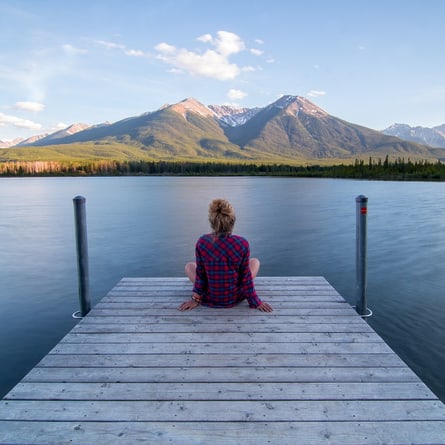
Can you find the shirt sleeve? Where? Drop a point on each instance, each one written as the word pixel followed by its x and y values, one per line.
pixel 247 284
pixel 201 282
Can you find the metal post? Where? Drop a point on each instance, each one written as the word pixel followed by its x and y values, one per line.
pixel 361 254
pixel 82 256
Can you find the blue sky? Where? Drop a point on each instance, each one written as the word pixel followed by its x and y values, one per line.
pixel 373 62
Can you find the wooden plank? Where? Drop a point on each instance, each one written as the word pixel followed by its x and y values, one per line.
pixel 223 411
pixel 82 432
pixel 172 303
pixel 219 360
pixel 241 311
pixel 90 327
pixel 222 391
pixel 222 374
pixel 224 337
pixel 220 348
pixel 222 318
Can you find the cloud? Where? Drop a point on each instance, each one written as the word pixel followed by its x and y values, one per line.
pixel 228 43
pixel 212 63
pixel 118 46
pixel 29 106
pixel 70 49
pixel 236 94
pixel 165 48
pixel 316 93
pixel 134 52
pixel 256 52
pixel 110 45
pixel 6 120
pixel 205 38
pixel 259 42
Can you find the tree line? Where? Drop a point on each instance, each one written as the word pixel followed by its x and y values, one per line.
pixel 379 169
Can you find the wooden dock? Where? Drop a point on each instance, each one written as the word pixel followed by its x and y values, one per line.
pixel 136 370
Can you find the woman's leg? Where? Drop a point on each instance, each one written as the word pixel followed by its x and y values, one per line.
pixel 254 267
pixel 190 270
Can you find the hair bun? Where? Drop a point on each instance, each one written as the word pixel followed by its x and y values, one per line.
pixel 224 207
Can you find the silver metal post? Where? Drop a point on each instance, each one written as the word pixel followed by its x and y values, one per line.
pixel 82 256
pixel 361 255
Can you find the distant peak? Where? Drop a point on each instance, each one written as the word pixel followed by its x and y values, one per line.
pixel 284 101
pixel 75 128
pixel 191 105
pixel 296 104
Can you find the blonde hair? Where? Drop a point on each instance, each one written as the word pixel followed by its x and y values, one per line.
pixel 221 217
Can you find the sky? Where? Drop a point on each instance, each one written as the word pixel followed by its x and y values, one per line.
pixel 372 63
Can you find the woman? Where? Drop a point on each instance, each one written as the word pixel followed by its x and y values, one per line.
pixel 223 273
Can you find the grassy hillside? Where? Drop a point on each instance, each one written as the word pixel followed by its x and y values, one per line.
pixel 86 151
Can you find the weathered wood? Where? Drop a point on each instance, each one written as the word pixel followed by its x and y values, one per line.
pixel 222 433
pixel 216 411
pixel 224 337
pixel 220 348
pixel 91 326
pixel 243 312
pixel 137 370
pixel 222 374
pixel 222 318
pixel 221 391
pixel 219 360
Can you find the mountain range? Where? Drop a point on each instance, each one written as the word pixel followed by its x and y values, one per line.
pixel 292 128
pixel 434 137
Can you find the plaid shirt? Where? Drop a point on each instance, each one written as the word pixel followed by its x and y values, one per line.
pixel 223 277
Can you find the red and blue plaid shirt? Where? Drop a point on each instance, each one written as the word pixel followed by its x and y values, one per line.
pixel 223 276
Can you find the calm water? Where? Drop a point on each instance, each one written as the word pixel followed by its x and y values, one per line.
pixel 148 227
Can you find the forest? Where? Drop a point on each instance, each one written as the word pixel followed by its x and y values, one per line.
pixel 398 169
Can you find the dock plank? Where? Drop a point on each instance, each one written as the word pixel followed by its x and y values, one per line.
pixel 137 370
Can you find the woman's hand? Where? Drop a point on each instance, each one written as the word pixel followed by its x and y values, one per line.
pixel 264 307
pixel 188 305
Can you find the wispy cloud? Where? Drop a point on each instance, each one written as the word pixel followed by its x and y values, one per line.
pixel 236 94
pixel 256 52
pixel 110 45
pixel 119 46
pixel 316 93
pixel 72 50
pixel 8 120
pixel 29 106
pixel 212 63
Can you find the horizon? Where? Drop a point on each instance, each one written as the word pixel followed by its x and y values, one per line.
pixel 369 64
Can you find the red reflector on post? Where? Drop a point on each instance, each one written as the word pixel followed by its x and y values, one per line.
pixel 363 210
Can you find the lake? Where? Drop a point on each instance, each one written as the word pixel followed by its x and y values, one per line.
pixel 147 226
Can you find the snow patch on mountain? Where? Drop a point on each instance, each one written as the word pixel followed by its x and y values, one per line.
pixel 232 116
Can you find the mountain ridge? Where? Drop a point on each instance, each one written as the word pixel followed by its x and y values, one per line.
pixel 291 128
pixel 433 137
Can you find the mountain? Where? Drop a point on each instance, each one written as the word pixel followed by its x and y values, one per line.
pixel 48 139
pixel 10 143
pixel 290 129
pixel 434 137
